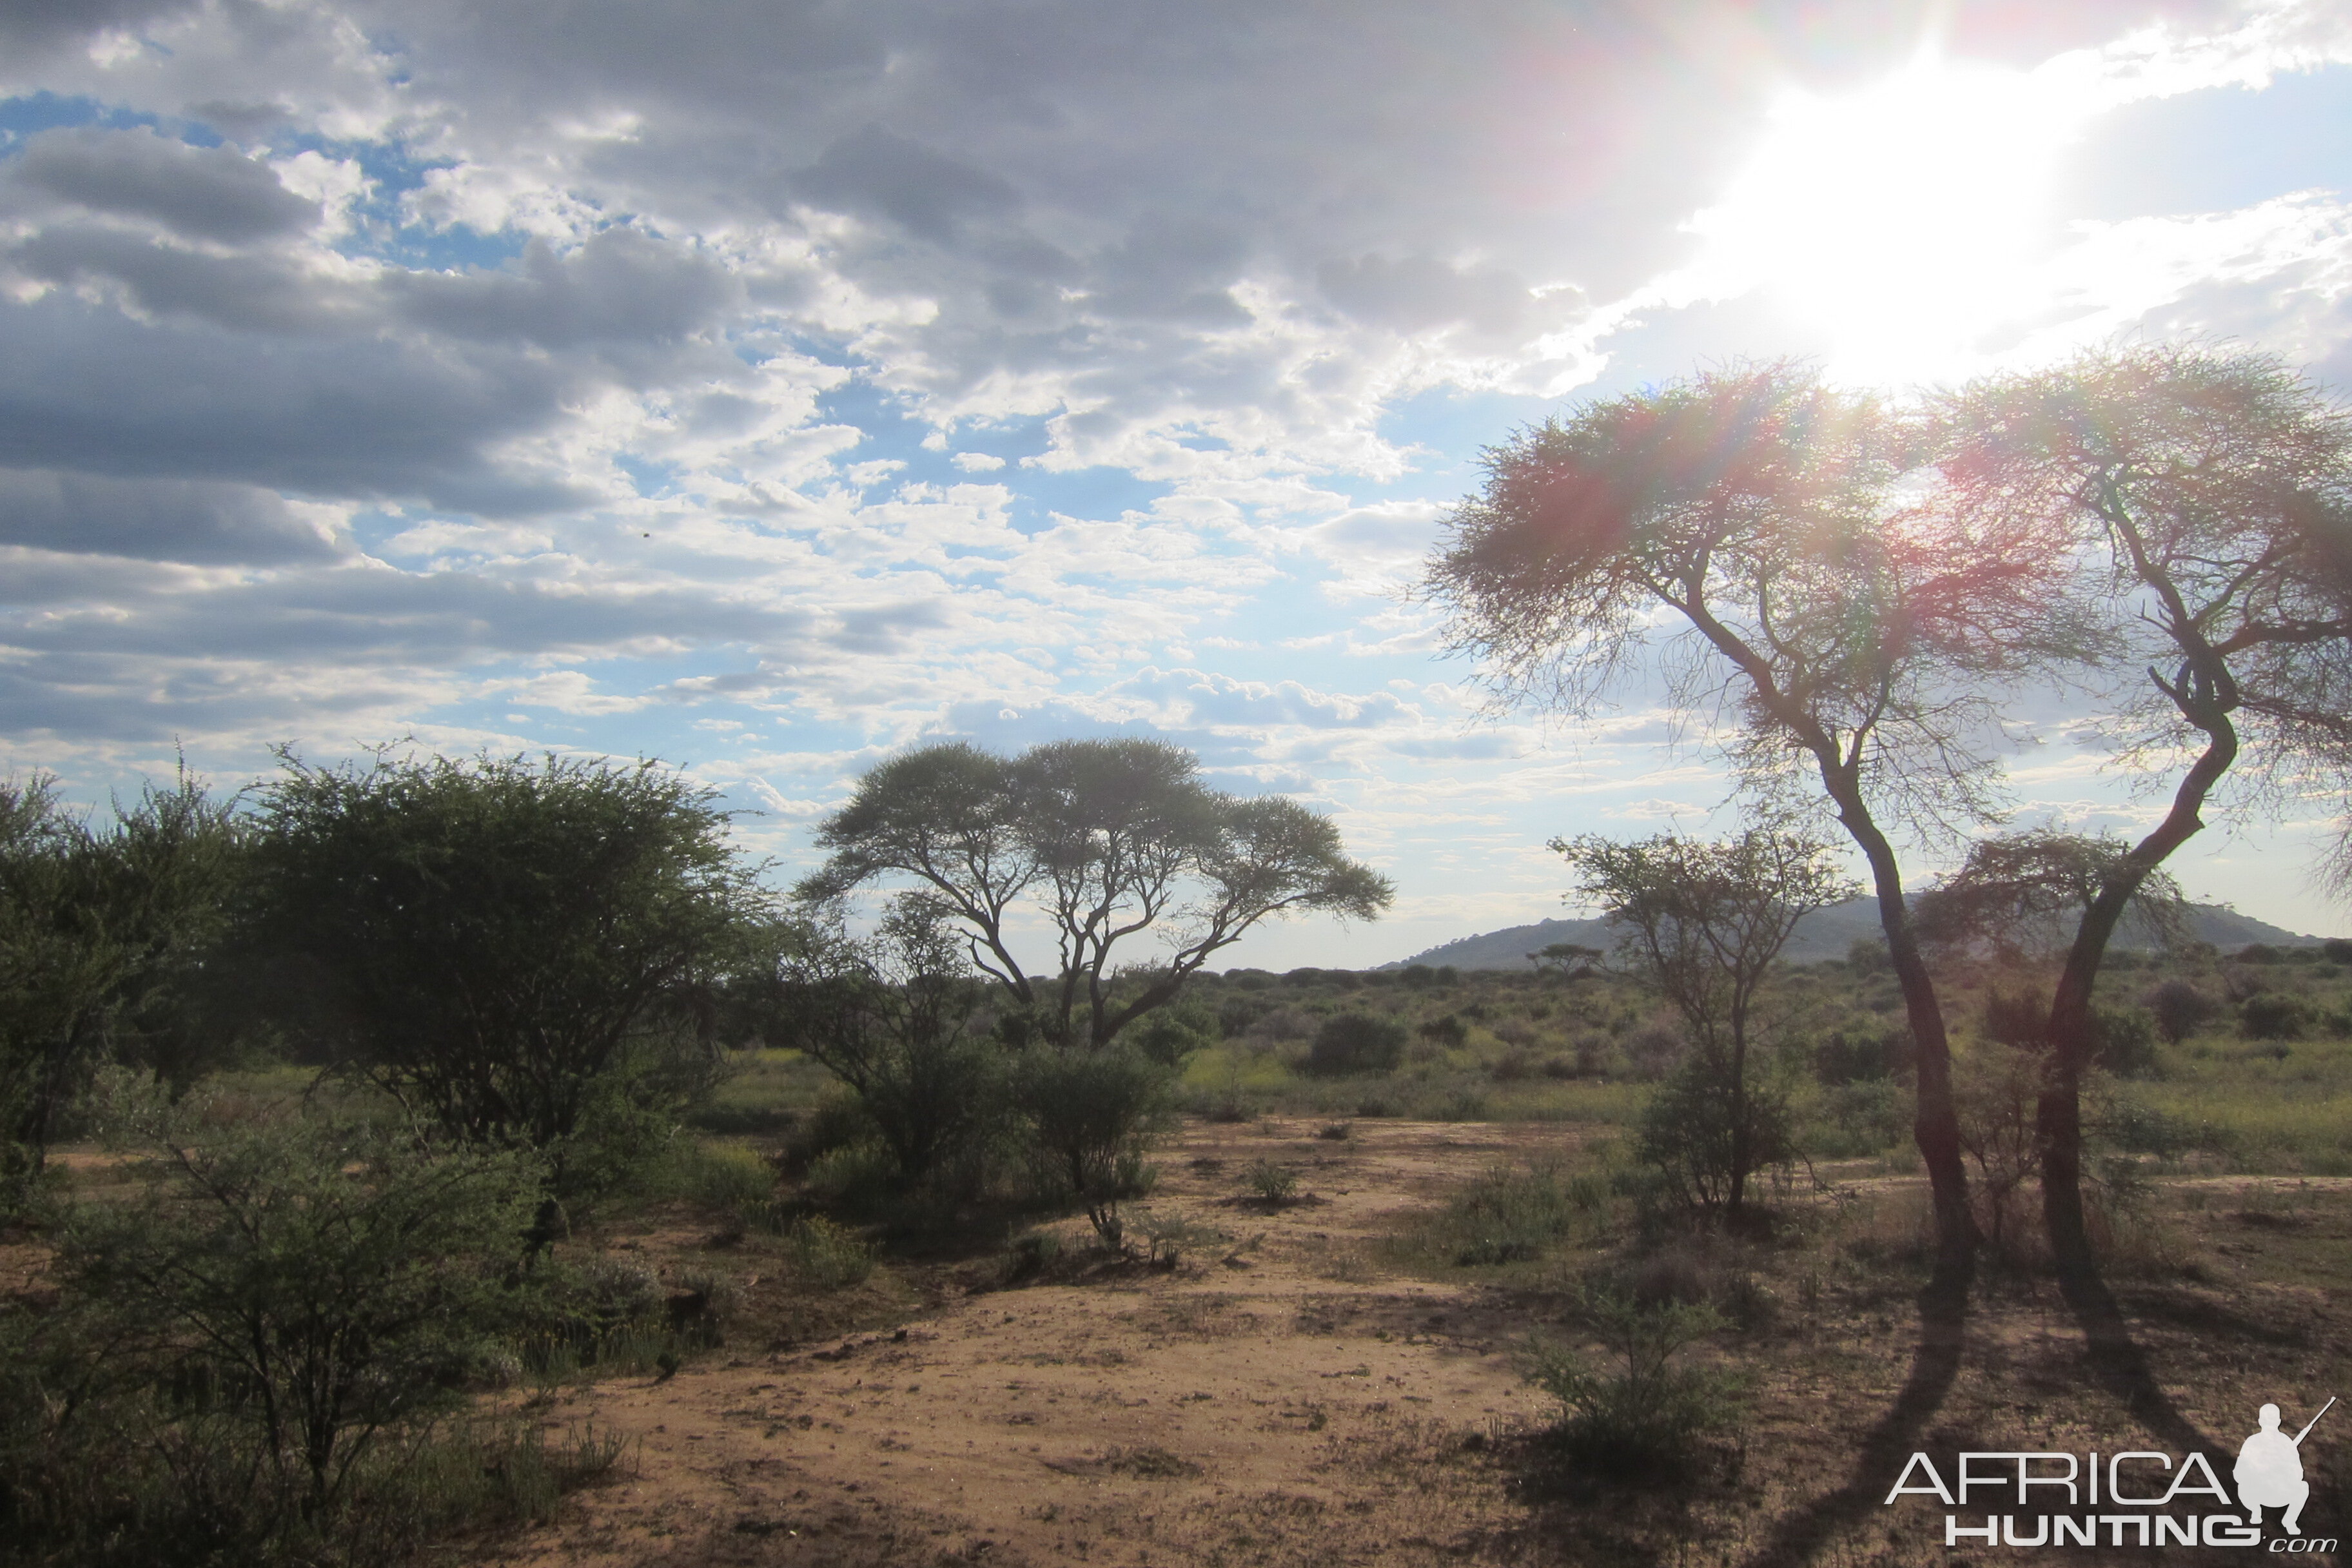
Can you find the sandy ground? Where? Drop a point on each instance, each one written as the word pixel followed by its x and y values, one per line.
pixel 1267 1397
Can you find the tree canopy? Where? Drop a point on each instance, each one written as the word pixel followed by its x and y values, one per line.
pixel 1102 840
pixel 505 945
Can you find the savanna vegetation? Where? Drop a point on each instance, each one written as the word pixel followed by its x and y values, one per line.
pixel 349 1125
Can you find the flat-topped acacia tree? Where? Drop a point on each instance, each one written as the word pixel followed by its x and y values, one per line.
pixel 2210 495
pixel 1102 840
pixel 1746 538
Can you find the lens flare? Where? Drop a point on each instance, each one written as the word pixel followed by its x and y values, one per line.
pixel 1905 220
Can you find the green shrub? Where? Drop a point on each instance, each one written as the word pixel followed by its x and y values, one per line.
pixel 861 1176
pixel 1091 1117
pixel 1692 1127
pixel 1856 1057
pixel 1860 1118
pixel 1031 1253
pixel 1274 1184
pixel 731 1178
pixel 1641 1423
pixel 837 1120
pixel 826 1255
pixel 515 949
pixel 1448 1032
pixel 327 1288
pixel 1169 1035
pixel 1508 1215
pixel 1356 1043
pixel 2274 1016
pixel 2125 1043
pixel 2179 1009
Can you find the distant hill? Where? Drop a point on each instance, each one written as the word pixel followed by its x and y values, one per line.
pixel 1825 933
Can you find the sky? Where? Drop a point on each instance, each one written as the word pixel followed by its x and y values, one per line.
pixel 771 385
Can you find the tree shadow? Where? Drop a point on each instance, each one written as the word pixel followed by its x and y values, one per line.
pixel 1892 1439
pixel 2120 1366
pixel 2113 1358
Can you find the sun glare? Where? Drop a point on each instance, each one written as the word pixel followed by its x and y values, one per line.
pixel 1905 220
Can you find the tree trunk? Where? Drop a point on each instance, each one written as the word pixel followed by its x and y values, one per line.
pixel 1935 1123
pixel 1739 1146
pixel 2058 1109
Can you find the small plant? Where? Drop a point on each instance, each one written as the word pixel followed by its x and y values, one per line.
pixel 1167 1237
pixel 826 1255
pixel 1646 1421
pixel 1334 1131
pixel 1274 1184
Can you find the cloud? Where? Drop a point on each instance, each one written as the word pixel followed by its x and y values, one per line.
pixel 87 388
pixel 875 171
pixel 1416 292
pixel 201 193
pixel 1190 696
pixel 618 287
pixel 158 519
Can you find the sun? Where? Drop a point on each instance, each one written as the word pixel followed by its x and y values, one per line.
pixel 1906 222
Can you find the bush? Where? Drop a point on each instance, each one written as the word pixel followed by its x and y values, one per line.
pixel 1653 1051
pixel 517 951
pixel 2274 1016
pixel 1091 1116
pixel 826 1255
pixel 104 942
pixel 1861 1118
pixel 1274 1184
pixel 1858 1057
pixel 1449 1032
pixel 2181 1009
pixel 327 1285
pixel 1507 1216
pixel 1356 1043
pixel 838 1120
pixel 1641 1423
pixel 2125 1043
pixel 1705 1148
pixel 1169 1035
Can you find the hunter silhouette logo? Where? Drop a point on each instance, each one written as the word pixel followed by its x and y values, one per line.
pixel 2269 1472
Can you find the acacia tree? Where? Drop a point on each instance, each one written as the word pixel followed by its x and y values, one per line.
pixel 2213 492
pixel 516 951
pixel 1819 627
pixel 1704 922
pixel 1104 840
